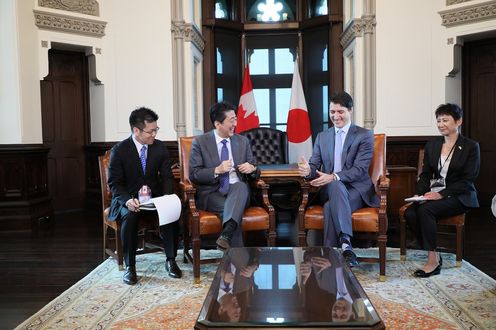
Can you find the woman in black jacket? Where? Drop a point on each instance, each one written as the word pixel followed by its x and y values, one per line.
pixel 451 166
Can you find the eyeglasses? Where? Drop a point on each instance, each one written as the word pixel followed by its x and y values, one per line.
pixel 151 132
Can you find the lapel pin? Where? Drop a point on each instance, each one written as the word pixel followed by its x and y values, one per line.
pixel 460 147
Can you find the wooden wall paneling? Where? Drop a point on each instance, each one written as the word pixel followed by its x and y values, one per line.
pixel 24 198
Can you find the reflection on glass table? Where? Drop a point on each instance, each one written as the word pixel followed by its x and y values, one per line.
pixel 286 287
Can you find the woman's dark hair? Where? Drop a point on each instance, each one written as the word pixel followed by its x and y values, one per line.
pixel 449 109
pixel 218 111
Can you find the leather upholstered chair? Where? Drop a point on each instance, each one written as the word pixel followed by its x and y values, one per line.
pixel 457 220
pixel 369 222
pixel 146 223
pixel 200 223
pixel 268 145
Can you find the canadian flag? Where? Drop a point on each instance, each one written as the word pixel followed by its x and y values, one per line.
pixel 299 133
pixel 247 109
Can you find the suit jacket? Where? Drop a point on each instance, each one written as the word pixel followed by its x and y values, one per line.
pixel 358 150
pixel 126 175
pixel 205 157
pixel 462 171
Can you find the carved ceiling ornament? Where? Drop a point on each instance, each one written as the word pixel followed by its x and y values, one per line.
pixel 454 2
pixel 189 32
pixel 88 7
pixel 70 24
pixel 356 29
pixel 469 14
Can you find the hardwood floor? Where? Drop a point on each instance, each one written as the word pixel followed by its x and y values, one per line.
pixel 37 267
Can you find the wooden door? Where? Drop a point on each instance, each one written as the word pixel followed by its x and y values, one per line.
pixel 65 120
pixel 479 91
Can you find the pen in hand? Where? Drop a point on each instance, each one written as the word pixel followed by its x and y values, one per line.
pixel 135 204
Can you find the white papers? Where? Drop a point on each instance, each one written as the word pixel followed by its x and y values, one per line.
pixel 168 208
pixel 415 199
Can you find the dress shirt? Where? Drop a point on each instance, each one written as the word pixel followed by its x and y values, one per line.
pixel 233 177
pixel 345 130
pixel 139 146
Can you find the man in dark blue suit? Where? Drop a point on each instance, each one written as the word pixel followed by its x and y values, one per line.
pixel 340 166
pixel 138 161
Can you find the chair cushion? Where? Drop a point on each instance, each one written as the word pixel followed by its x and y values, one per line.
pixel 255 218
pixel 364 220
pixel 209 223
pixel 314 217
pixel 454 220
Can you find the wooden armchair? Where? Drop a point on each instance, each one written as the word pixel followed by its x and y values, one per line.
pixel 148 222
pixel 370 222
pixel 457 220
pixel 199 223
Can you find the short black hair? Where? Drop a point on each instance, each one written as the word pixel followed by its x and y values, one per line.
pixel 344 99
pixel 218 111
pixel 449 109
pixel 140 115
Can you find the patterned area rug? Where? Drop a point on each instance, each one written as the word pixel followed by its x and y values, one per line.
pixel 461 298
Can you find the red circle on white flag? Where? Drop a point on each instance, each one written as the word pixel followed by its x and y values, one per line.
pixel 298 126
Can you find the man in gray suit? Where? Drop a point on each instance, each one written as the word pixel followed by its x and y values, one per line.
pixel 339 165
pixel 220 165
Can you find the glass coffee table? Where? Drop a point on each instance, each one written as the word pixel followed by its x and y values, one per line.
pixel 309 287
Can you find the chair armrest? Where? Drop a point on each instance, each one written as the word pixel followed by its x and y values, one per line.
pixel 189 192
pixel 305 191
pixel 384 182
pixel 264 187
pixel 383 188
pixel 403 209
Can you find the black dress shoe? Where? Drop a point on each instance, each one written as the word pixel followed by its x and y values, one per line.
pixel 130 276
pixel 422 273
pixel 173 269
pixel 350 258
pixel 223 242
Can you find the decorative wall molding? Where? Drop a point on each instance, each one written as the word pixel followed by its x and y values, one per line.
pixel 454 2
pixel 468 14
pixel 189 32
pixel 356 29
pixel 69 24
pixel 87 7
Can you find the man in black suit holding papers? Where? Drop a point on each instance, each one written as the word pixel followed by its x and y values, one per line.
pixel 141 163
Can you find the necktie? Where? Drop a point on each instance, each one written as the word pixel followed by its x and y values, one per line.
pixel 224 177
pixel 143 158
pixel 338 149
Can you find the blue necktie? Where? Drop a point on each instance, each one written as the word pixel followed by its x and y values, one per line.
pixel 143 158
pixel 338 150
pixel 224 177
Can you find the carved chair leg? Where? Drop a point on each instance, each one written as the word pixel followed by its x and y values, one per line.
pixel 104 241
pixel 186 243
pixel 402 238
pixel 459 245
pixel 118 247
pixel 382 259
pixel 196 258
